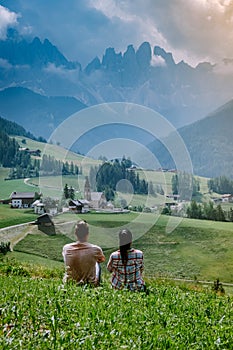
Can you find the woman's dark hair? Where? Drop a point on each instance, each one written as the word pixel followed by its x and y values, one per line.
pixel 125 240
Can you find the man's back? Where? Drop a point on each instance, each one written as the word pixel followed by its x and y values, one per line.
pixel 80 259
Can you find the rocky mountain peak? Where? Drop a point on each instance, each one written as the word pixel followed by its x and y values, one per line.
pixel 167 56
pixel 94 65
pixel 111 60
pixel 18 51
pixel 143 55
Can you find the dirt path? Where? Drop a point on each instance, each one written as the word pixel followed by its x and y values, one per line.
pixel 27 183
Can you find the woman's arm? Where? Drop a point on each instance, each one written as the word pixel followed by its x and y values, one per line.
pixel 109 265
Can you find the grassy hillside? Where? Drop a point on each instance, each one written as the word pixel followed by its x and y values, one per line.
pixel 53 186
pixel 39 312
pixel 50 186
pixel 196 249
pixel 10 217
pixel 7 187
pixel 43 314
pixel 58 153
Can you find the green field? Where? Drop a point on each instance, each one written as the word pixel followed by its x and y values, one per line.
pixel 196 249
pixel 53 186
pixel 10 217
pixel 59 153
pixel 39 312
pixel 44 314
pixel 50 186
pixel 9 186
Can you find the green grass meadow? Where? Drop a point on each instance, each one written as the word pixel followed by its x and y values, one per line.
pixel 195 249
pixel 59 153
pixel 37 311
pixel 10 217
pixel 44 314
pixel 7 187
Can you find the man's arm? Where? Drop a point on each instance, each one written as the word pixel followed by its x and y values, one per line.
pixel 100 256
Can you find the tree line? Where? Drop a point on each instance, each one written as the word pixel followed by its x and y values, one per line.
pixel 106 177
pixel 8 150
pixel 186 185
pixel 12 128
pixel 208 211
pixel 49 165
pixel 25 166
pixel 221 185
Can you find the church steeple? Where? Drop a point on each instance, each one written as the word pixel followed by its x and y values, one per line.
pixel 87 190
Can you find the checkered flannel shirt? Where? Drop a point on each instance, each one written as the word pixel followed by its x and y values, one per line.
pixel 127 276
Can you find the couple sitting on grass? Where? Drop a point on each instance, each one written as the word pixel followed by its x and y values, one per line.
pixel 82 261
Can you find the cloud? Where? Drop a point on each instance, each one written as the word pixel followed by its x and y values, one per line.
pixel 224 68
pixel 71 74
pixel 194 31
pixel 7 19
pixel 157 61
pixel 5 64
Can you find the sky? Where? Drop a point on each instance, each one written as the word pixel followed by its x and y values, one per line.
pixel 193 30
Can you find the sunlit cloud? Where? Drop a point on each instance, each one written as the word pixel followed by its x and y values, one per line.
pixel 193 30
pixel 157 61
pixel 7 19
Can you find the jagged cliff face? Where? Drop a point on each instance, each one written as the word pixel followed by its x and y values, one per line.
pixel 147 76
pixel 40 88
pixel 17 51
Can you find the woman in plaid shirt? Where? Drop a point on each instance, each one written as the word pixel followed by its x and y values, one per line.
pixel 126 264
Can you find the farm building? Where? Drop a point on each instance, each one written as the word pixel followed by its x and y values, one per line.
pixel 227 198
pixel 22 199
pixel 33 152
pixel 45 224
pixel 79 206
pixel 38 207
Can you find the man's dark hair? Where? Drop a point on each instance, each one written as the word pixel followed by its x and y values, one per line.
pixel 125 240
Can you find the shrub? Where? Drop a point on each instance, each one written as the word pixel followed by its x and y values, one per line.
pixel 218 287
pixel 5 247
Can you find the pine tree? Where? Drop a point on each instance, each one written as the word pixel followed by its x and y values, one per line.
pixel 230 214
pixel 175 184
pixel 72 168
pixel 66 191
pixel 220 216
pixel 71 193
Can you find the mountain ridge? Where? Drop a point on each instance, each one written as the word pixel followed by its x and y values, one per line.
pixel 146 76
pixel 37 113
pixel 208 141
pixel 40 88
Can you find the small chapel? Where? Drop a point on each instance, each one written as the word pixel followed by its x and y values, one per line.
pixel 97 200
